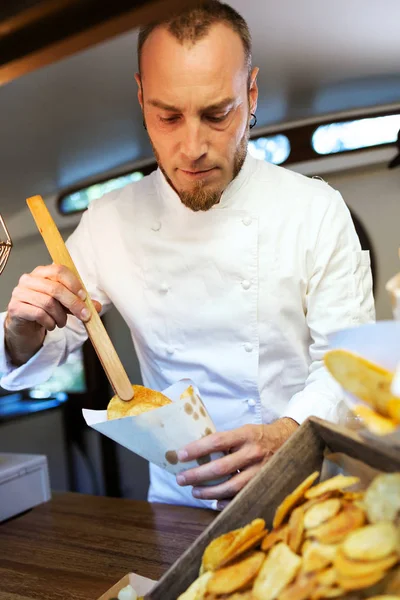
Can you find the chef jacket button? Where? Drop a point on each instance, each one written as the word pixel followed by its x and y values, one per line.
pixel 164 288
pixel 248 347
pixel 251 402
pixel 156 226
pixel 246 284
pixel 247 221
pixel 170 350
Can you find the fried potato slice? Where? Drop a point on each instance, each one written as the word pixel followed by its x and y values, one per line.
pixel 273 537
pixel 296 529
pixel 373 421
pixel 327 577
pixel 358 568
pixel 237 576
pixel 339 482
pixel 197 590
pixel 335 530
pixel 300 589
pixel 293 499
pixel 382 498
pixel 321 512
pixel 372 542
pixel 277 571
pixel 326 592
pixel 364 379
pixel 232 544
pixel 144 399
pixel 359 583
pixel 384 597
pixel 317 557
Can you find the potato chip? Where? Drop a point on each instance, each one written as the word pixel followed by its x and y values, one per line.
pixel 230 545
pixel 237 576
pixel 339 482
pixel 296 529
pixel 348 567
pixel 333 531
pixel 373 421
pixel 317 556
pixel 382 498
pixel 326 592
pixel 321 512
pixel 359 583
pixel 300 589
pixel 363 379
pixel 292 499
pixel 372 542
pixel 384 597
pixel 278 570
pixel 273 537
pixel 144 399
pixel 327 577
pixel 197 590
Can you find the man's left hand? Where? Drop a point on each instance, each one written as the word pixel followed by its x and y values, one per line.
pixel 247 449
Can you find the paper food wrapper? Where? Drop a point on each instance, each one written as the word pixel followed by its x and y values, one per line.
pixel 141 585
pixel 393 289
pixel 380 343
pixel 158 434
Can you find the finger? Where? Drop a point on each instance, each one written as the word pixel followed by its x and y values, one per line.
pixel 48 304
pixel 57 290
pixel 62 275
pixel 222 441
pixel 220 467
pixel 229 488
pixel 27 312
pixel 221 504
pixel 98 306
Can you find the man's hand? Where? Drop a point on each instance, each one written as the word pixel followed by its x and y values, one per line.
pixel 41 302
pixel 247 449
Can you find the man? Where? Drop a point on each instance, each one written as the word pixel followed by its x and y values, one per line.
pixel 227 270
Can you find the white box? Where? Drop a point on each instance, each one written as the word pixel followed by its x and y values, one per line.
pixel 24 483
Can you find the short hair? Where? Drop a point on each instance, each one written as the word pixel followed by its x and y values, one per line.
pixel 193 24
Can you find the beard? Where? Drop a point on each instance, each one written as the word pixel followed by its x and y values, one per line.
pixel 200 197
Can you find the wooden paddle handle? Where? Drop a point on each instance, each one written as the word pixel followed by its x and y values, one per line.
pixel 97 333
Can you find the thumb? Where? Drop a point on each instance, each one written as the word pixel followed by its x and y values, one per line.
pixel 97 305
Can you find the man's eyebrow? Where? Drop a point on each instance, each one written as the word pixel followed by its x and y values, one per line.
pixel 217 106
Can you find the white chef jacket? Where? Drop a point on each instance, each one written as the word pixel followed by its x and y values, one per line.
pixel 239 298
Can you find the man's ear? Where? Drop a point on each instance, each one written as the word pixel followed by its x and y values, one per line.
pixel 253 91
pixel 140 90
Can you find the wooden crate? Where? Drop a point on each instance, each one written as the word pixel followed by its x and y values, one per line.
pixel 302 454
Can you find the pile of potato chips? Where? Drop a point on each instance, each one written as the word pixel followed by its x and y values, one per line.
pixel 371 384
pixel 326 542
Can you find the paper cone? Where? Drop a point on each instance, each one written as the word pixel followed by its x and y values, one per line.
pixel 378 342
pixel 158 434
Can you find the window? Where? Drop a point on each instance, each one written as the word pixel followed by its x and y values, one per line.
pixel 274 149
pixel 354 135
pixel 79 200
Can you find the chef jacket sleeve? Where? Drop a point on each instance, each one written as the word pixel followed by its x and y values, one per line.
pixel 58 344
pixel 339 295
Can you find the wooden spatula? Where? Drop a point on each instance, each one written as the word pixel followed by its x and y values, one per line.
pixel 98 335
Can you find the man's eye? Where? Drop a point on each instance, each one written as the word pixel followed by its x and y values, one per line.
pixel 216 119
pixel 173 119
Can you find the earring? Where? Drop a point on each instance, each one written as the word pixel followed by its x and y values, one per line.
pixel 254 123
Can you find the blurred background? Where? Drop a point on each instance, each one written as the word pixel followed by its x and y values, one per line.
pixel 71 129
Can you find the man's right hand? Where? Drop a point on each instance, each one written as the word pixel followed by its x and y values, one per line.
pixel 41 302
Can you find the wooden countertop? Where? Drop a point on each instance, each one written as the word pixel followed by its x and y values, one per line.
pixel 77 546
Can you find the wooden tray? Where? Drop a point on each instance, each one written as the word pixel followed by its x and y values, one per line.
pixel 300 456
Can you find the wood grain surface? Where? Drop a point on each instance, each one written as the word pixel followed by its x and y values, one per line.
pixel 77 546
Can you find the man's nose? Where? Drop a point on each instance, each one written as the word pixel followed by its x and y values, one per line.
pixel 194 143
